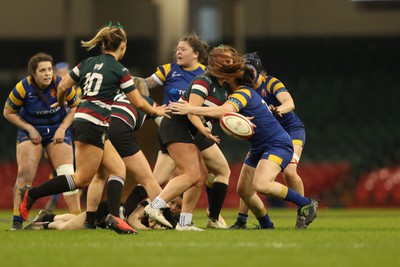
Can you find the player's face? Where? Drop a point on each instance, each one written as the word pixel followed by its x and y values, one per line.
pixel 185 56
pixel 175 205
pixel 43 74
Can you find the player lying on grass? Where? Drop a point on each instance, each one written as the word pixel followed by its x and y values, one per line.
pixel 137 219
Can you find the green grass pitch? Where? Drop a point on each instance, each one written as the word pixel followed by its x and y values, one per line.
pixel 350 237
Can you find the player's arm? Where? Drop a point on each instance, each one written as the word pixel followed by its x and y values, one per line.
pixel 134 218
pixel 287 104
pixel 15 119
pixel 10 112
pixel 213 112
pixel 66 83
pixel 67 121
pixel 148 83
pixel 139 102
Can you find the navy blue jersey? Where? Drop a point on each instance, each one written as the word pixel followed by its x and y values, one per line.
pixel 268 90
pixel 175 79
pixel 36 110
pixel 268 131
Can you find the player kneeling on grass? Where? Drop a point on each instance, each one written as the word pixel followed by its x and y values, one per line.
pixel 137 219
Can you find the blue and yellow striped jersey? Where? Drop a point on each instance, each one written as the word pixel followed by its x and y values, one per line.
pixel 175 79
pixel 268 90
pixel 268 131
pixel 33 109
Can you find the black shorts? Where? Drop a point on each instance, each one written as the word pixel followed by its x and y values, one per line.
pixel 179 129
pixel 121 136
pixel 202 142
pixel 89 133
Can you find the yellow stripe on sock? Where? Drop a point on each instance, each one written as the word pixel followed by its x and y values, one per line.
pixel 284 192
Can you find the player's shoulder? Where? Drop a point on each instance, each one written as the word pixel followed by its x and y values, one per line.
pixel 205 77
pixel 245 90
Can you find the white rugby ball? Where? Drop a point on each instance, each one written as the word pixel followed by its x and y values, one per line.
pixel 236 125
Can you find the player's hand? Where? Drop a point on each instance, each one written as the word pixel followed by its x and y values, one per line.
pixel 207 133
pixel 252 124
pixel 35 136
pixel 162 111
pixel 58 105
pixel 58 137
pixel 275 110
pixel 180 108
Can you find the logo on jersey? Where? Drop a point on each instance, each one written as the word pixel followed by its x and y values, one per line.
pixel 263 93
pixel 53 93
pixel 98 66
pixel 174 74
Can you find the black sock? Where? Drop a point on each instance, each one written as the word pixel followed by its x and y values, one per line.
pixel 48 218
pixel 209 192
pixel 46 225
pixel 59 184
pixel 114 194
pixel 218 197
pixel 91 217
pixel 135 197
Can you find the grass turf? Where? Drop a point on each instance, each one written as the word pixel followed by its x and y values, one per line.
pixel 368 237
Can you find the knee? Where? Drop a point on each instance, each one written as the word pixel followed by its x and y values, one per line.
pixel 65 169
pixel 291 175
pixel 243 192
pixel 25 174
pixel 262 186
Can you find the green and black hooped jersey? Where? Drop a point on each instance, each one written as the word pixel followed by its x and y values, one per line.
pixel 101 78
pixel 207 86
pixel 132 116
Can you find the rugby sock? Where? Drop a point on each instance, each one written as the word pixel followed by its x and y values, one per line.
pixel 48 218
pixel 59 184
pixel 158 203
pixel 114 193
pixel 91 217
pixel 185 219
pixel 218 196
pixel 46 225
pixel 17 218
pixel 135 197
pixel 265 221
pixel 242 218
pixel 209 191
pixel 294 197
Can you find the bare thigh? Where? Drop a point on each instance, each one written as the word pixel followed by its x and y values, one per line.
pixel 59 154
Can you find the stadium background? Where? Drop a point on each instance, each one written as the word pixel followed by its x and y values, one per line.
pixel 339 59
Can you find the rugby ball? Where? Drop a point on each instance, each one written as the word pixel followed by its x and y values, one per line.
pixel 236 125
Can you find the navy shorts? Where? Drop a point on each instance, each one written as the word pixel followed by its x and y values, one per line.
pixel 282 155
pixel 298 136
pixel 47 134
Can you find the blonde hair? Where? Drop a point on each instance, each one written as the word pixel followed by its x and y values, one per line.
pixel 225 62
pixel 110 38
